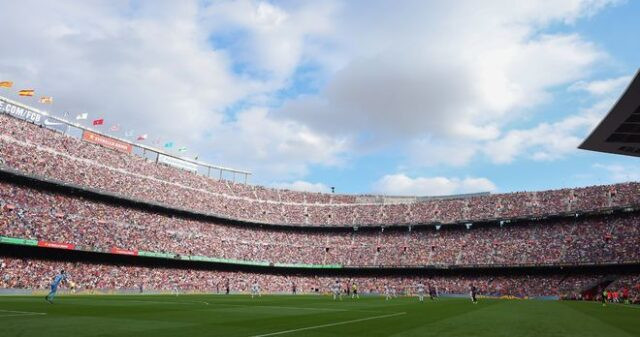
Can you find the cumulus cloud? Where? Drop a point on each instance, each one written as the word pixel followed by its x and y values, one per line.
pixel 152 67
pixel 414 81
pixel 401 184
pixel 549 141
pixel 279 148
pixel 304 186
pixel 602 87
pixel 617 173
pixel 221 77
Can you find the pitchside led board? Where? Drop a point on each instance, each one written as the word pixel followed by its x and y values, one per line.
pixel 619 131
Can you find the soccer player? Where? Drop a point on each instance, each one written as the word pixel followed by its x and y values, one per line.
pixel 354 290
pixel 604 298
pixel 293 288
pixel 432 293
pixel 337 292
pixel 255 289
pixel 472 292
pixel 62 277
pixel 387 292
pixel 420 291
pixel 176 290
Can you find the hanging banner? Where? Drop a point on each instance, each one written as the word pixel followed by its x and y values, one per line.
pixel 105 141
pixel 20 112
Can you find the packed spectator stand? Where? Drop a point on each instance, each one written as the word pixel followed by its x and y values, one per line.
pixel 106 278
pixel 40 151
pixel 511 229
pixel 32 214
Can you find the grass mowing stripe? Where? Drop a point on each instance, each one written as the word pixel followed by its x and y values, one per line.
pixel 330 324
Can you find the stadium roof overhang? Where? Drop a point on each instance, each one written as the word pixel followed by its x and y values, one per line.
pixel 619 131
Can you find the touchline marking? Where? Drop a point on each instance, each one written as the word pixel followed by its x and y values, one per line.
pixel 14 313
pixel 281 307
pixel 330 324
pixel 165 302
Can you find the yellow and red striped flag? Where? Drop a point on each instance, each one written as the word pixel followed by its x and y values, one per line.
pixel 6 84
pixel 26 92
pixel 46 100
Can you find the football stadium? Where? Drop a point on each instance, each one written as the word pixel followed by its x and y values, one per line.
pixel 117 217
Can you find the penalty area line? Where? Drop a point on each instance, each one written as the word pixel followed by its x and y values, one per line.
pixel 330 324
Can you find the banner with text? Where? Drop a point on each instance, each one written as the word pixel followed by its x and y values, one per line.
pixel 20 112
pixel 58 245
pixel 105 141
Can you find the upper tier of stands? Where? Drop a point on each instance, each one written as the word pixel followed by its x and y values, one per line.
pixel 39 151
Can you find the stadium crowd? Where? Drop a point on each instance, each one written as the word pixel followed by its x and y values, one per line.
pixel 33 214
pixel 36 150
pixel 32 274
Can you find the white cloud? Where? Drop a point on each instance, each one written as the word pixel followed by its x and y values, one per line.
pixel 304 186
pixel 428 79
pixel 405 79
pixel 280 148
pixel 151 67
pixel 268 39
pixel 401 184
pixel 549 141
pixel 602 87
pixel 620 172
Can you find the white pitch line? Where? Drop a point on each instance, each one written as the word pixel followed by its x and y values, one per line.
pixel 14 313
pixel 281 307
pixel 166 302
pixel 330 324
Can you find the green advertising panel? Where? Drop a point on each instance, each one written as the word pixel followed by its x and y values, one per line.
pixel 15 241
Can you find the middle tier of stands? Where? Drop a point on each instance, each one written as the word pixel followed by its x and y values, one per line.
pixel 63 219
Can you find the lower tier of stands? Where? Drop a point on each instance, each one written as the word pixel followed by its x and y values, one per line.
pixel 35 274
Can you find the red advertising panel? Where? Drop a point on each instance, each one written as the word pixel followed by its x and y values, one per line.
pixel 115 250
pixel 57 245
pixel 105 141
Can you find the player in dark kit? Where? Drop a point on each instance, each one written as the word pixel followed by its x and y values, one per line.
pixel 473 294
pixel 432 293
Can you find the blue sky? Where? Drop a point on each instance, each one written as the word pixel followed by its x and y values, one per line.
pixel 425 98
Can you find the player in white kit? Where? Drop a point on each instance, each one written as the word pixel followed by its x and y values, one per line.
pixel 335 289
pixel 387 292
pixel 420 291
pixel 255 290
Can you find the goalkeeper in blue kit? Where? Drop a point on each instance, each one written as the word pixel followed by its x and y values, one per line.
pixel 62 277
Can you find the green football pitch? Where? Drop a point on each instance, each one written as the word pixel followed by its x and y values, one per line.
pixel 239 315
